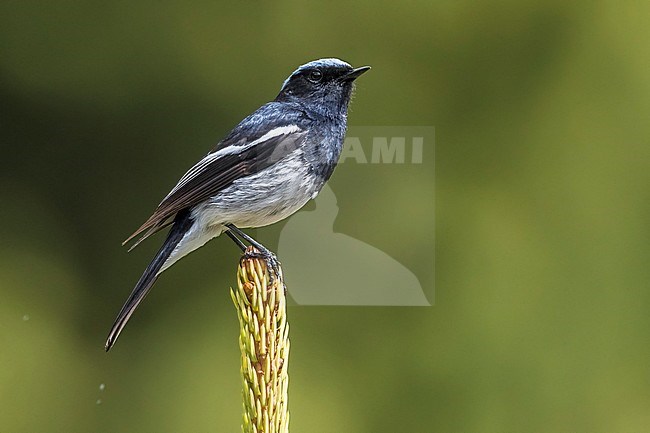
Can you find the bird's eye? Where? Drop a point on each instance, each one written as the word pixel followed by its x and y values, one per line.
pixel 315 76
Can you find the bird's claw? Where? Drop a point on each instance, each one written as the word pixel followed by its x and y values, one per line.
pixel 270 259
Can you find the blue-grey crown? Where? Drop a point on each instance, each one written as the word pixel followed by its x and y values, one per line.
pixel 325 63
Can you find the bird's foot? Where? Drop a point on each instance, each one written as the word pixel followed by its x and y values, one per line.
pixel 256 251
pixel 270 259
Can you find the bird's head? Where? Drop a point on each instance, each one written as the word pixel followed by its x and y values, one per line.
pixel 323 85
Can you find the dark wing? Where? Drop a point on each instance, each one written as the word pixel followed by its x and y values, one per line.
pixel 218 170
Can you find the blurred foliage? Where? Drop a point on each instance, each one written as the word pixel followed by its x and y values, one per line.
pixel 540 321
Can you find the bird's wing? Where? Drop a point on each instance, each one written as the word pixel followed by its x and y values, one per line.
pixel 234 158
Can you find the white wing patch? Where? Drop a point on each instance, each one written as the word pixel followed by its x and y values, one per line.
pixel 208 159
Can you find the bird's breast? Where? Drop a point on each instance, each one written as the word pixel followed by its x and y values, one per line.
pixel 265 197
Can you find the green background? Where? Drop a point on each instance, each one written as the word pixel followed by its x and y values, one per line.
pixel 540 322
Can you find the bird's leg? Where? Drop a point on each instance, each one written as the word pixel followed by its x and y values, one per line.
pixel 235 239
pixel 264 253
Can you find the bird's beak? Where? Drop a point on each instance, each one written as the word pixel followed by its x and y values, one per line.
pixel 355 73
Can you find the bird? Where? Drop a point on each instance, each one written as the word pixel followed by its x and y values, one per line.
pixel 267 168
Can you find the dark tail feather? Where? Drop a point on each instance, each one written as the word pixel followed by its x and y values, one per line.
pixel 182 223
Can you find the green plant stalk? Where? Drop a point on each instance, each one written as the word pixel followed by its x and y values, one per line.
pixel 264 346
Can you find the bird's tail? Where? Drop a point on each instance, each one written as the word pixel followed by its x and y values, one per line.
pixel 182 224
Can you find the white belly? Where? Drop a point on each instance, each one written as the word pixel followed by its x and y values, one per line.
pixel 261 199
pixel 255 201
